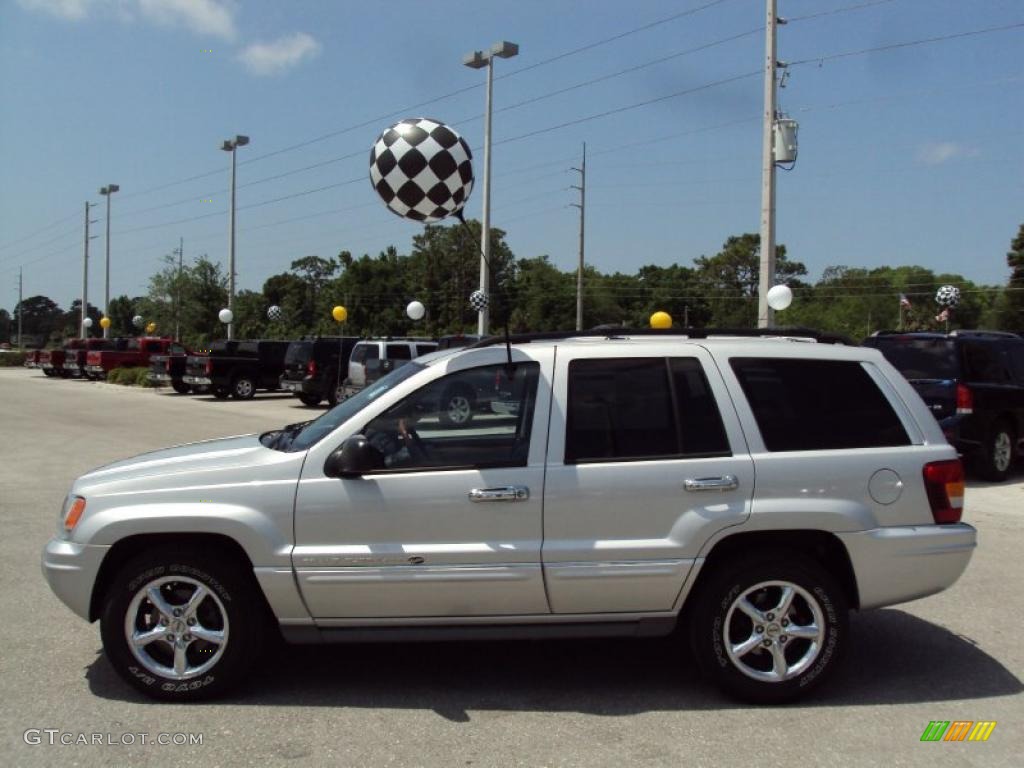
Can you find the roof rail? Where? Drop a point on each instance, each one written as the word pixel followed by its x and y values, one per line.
pixel 959 333
pixel 691 333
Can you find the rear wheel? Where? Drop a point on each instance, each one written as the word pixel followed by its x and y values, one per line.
pixel 183 624
pixel 244 387
pixel 221 393
pixel 180 387
pixel 770 629
pixel 456 407
pixel 997 459
pixel 310 399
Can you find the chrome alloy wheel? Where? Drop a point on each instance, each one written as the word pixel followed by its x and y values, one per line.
pixel 774 631
pixel 1002 451
pixel 244 388
pixel 176 627
pixel 459 409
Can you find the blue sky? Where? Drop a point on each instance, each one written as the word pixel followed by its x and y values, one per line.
pixel 909 156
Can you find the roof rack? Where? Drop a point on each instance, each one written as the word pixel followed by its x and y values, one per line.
pixel 959 333
pixel 691 333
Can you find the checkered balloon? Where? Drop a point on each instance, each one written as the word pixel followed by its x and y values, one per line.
pixel 274 312
pixel 422 169
pixel 948 296
pixel 138 322
pixel 478 301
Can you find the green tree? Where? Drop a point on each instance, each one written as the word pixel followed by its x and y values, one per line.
pixel 41 316
pixel 1011 310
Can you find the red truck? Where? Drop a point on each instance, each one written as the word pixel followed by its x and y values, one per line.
pixel 136 354
pixel 52 360
pixel 32 358
pixel 75 359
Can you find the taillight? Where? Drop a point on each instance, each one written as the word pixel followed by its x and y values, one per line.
pixel 311 368
pixel 944 484
pixel 209 366
pixel 167 365
pixel 964 399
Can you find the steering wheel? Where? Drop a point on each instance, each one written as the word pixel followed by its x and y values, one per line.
pixel 417 448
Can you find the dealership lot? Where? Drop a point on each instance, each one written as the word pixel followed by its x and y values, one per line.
pixel 955 656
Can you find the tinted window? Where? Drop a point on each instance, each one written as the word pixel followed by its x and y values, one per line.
pixel 364 352
pixel 419 433
pixel 700 424
pixel 807 405
pixel 298 353
pixel 985 363
pixel 1016 354
pixel 398 352
pixel 619 409
pixel 425 349
pixel 918 358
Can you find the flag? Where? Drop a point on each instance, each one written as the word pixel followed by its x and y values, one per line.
pixel 943 316
pixel 904 301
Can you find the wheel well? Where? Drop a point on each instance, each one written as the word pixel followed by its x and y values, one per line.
pixel 127 548
pixel 245 372
pixel 823 547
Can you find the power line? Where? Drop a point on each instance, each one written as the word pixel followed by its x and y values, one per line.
pixel 834 11
pixel 39 231
pixel 906 44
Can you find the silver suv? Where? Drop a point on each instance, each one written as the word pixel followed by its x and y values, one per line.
pixel 372 358
pixel 742 493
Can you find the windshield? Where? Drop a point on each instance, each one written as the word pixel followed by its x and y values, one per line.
pixel 345 410
pixel 918 358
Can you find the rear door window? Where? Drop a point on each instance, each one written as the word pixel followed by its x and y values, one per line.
pixel 364 352
pixel 399 352
pixel 985 363
pixel 425 349
pixel 814 405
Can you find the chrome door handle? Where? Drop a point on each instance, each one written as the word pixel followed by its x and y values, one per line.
pixel 723 483
pixel 505 493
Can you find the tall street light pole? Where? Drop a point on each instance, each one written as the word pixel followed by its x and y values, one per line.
pixel 582 205
pixel 107 191
pixel 85 272
pixel 230 145
pixel 479 60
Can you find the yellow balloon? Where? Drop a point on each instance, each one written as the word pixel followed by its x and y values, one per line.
pixel 151 327
pixel 104 322
pixel 661 320
pixel 339 313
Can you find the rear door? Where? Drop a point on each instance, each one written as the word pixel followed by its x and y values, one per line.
pixel 646 461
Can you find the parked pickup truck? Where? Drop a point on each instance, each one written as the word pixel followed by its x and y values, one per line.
pixel 170 369
pixel 52 360
pixel 75 359
pixel 136 354
pixel 32 358
pixel 238 368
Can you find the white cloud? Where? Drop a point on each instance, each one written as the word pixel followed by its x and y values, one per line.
pixel 280 55
pixel 939 152
pixel 205 17
pixel 70 10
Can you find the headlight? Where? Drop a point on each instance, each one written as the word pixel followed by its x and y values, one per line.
pixel 73 509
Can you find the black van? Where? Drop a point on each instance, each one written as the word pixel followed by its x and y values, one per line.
pixel 973 381
pixel 311 368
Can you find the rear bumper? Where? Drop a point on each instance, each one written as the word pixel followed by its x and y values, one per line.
pixel 894 565
pixel 71 569
pixel 300 387
pixel 197 381
pixel 163 378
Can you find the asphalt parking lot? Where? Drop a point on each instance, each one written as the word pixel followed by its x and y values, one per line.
pixel 955 656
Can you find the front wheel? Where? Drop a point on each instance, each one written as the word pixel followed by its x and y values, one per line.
pixel 244 388
pixel 310 399
pixel 180 387
pixel 182 625
pixel 769 630
pixel 997 459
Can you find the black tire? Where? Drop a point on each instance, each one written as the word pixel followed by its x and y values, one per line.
pixel 221 393
pixel 336 393
pixel 233 607
pixel 48 373
pixel 243 387
pixel 816 595
pixel 180 386
pixel 456 407
pixel 998 453
pixel 310 399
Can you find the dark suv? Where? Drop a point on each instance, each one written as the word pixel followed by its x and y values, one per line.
pixel 973 382
pixel 311 368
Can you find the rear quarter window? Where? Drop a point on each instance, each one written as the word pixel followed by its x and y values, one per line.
pixel 814 405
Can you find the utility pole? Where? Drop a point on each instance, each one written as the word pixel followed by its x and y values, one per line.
pixel 177 292
pixel 765 314
pixel 582 205
pixel 85 274
pixel 20 309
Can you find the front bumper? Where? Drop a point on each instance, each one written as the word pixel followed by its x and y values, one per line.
pixel 901 563
pixel 197 381
pixel 95 369
pixel 71 571
pixel 161 378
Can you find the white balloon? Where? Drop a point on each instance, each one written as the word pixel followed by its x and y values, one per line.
pixel 226 316
pixel 415 310
pixel 780 297
pixel 87 322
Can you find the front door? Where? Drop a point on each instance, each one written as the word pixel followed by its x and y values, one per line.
pixel 450 525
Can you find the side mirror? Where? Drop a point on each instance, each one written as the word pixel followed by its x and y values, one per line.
pixel 353 458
